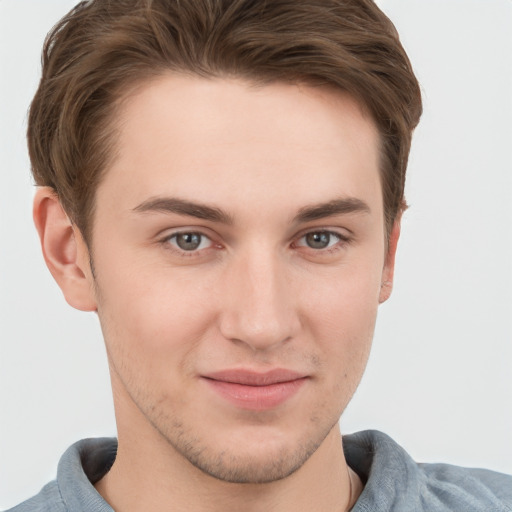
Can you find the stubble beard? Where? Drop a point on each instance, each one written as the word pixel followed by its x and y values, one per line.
pixel 220 460
pixel 262 463
pixel 225 465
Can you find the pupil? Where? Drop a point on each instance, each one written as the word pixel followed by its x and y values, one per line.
pixel 188 241
pixel 318 240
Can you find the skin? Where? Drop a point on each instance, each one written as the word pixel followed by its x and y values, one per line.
pixel 259 292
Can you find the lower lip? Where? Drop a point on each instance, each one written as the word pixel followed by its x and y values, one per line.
pixel 256 398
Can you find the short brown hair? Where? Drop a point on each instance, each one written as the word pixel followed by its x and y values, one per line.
pixel 103 47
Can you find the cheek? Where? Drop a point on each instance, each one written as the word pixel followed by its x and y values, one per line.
pixel 151 318
pixel 152 332
pixel 346 299
pixel 342 315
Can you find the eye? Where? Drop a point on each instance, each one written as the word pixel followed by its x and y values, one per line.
pixel 189 241
pixel 319 240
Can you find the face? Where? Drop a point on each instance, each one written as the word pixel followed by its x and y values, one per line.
pixel 239 254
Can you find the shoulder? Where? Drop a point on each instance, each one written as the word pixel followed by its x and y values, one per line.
pixel 81 466
pixel 468 487
pixel 48 499
pixel 395 482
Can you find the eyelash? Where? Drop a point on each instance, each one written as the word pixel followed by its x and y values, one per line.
pixel 166 242
pixel 342 241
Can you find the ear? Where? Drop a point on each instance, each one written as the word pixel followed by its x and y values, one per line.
pixel 389 264
pixel 64 250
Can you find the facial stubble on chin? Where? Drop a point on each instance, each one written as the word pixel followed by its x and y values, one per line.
pixel 232 468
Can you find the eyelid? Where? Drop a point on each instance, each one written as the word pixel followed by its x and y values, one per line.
pixel 166 235
pixel 342 233
pixel 343 239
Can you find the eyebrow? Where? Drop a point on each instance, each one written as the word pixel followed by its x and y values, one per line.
pixel 184 207
pixel 342 206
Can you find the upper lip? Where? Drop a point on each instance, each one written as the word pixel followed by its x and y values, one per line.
pixel 255 378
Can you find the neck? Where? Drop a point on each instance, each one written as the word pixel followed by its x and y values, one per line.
pixel 150 475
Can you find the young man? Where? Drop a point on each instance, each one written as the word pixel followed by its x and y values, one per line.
pixel 223 183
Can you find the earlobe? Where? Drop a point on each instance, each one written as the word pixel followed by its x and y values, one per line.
pixel 64 250
pixel 389 264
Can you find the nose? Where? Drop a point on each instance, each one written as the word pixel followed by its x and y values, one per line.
pixel 259 305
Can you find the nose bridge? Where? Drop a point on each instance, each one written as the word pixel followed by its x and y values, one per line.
pixel 260 311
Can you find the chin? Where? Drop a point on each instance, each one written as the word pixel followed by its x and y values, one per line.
pixel 255 468
pixel 251 456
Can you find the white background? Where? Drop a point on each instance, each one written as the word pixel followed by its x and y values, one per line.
pixel 439 378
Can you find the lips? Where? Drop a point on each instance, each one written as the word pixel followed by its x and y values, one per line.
pixel 253 390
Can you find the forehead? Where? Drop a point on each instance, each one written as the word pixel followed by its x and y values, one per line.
pixel 229 140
